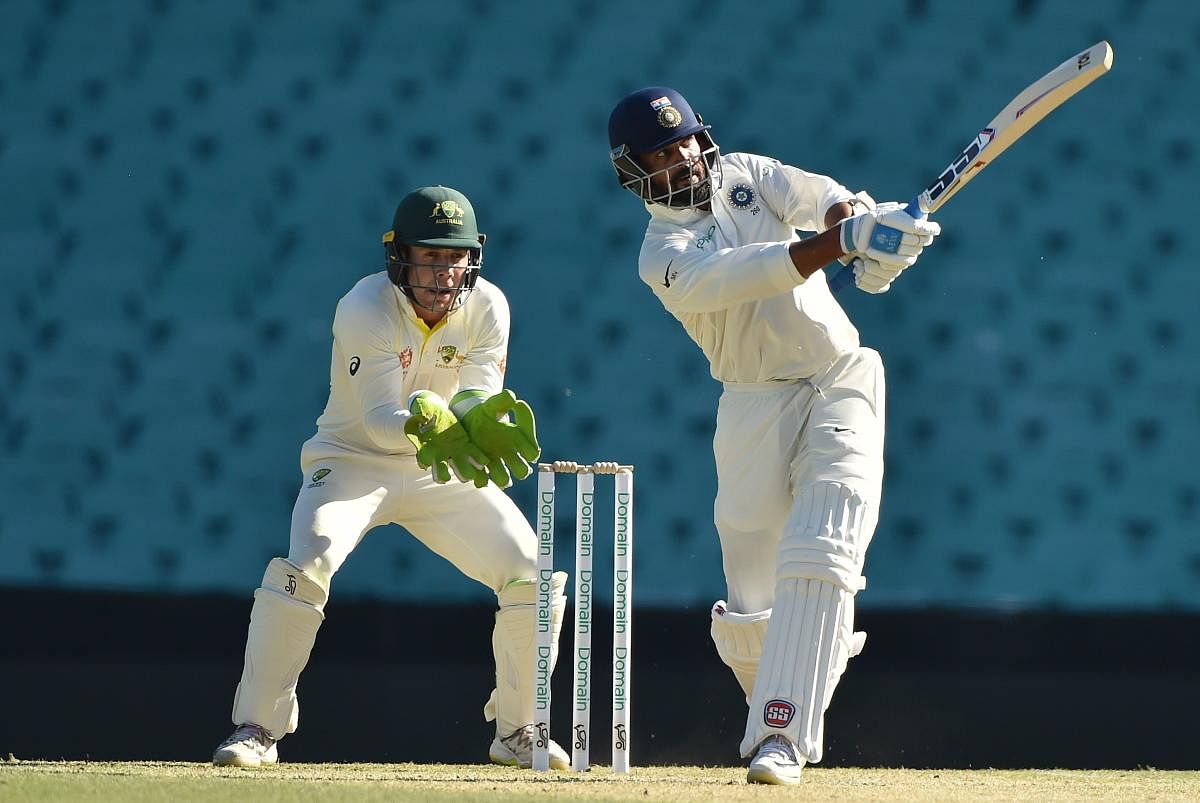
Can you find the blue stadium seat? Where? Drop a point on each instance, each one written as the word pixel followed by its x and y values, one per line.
pixel 198 190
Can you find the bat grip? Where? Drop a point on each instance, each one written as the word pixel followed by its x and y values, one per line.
pixel 845 277
pixel 842 279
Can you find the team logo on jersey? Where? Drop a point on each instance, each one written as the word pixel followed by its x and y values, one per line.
pixel 741 196
pixel 447 353
pixel 447 212
pixel 354 363
pixel 406 358
pixel 668 115
pixel 318 477
pixel 778 713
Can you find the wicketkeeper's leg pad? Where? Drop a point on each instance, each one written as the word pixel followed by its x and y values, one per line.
pixel 811 635
pixel 739 639
pixel 288 611
pixel 511 702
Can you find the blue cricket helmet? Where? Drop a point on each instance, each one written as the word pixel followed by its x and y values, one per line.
pixel 647 120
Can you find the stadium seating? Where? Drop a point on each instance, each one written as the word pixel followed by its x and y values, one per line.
pixel 187 194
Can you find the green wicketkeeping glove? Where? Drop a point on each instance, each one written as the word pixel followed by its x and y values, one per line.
pixel 442 443
pixel 510 446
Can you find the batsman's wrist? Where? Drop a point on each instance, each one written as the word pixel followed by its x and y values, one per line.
pixel 466 400
pixel 846 235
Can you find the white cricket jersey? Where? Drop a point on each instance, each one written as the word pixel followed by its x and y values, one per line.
pixel 382 352
pixel 727 276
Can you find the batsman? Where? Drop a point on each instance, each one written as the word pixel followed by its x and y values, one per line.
pixel 418 431
pixel 799 435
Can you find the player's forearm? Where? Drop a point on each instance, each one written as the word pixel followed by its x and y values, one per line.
pixel 810 255
pixel 483 372
pixel 385 427
pixel 690 280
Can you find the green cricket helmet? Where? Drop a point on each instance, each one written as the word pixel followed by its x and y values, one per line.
pixel 432 217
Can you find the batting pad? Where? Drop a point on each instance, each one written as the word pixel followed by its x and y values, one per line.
pixel 739 639
pixel 288 610
pixel 511 702
pixel 811 636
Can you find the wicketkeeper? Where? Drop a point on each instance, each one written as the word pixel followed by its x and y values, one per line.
pixel 418 431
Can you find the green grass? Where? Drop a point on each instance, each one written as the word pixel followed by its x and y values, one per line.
pixel 69 781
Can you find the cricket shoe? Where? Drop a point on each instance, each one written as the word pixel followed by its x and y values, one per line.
pixel 516 750
pixel 775 762
pixel 248 746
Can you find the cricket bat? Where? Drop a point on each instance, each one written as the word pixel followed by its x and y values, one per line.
pixel 1021 114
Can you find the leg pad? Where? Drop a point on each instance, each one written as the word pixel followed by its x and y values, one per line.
pixel 739 639
pixel 511 702
pixel 288 611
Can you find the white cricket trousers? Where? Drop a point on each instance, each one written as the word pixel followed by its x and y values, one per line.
pixel 775 438
pixel 479 530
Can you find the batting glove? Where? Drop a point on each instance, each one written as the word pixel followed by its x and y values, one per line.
pixel 874 277
pixel 888 235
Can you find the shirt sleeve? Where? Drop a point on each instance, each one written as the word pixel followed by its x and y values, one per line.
pixel 485 363
pixel 365 333
pixel 687 279
pixel 797 197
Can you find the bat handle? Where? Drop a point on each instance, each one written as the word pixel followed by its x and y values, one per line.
pixel 842 279
pixel 845 277
pixel 914 208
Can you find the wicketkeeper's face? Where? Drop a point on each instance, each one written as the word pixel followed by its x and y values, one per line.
pixel 435 275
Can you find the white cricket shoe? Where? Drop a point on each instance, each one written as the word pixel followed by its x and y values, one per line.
pixel 775 762
pixel 248 746
pixel 516 750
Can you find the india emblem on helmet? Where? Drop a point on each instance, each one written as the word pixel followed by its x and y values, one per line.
pixel 668 115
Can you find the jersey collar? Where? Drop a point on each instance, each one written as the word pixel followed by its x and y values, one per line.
pixel 678 217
